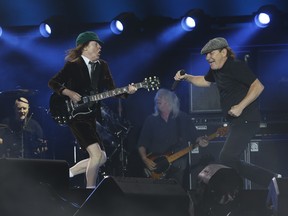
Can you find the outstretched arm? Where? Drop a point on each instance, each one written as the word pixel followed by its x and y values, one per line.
pixel 195 80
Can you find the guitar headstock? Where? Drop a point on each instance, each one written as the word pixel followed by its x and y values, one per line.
pixel 151 83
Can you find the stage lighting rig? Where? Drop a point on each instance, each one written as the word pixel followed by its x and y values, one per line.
pixel 267 15
pixel 53 26
pixel 193 19
pixel 125 22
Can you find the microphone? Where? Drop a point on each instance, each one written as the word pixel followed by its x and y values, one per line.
pixel 246 57
pixel 182 72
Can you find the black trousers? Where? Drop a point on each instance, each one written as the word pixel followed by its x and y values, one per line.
pixel 240 134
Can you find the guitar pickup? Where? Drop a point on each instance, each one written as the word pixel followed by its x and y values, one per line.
pixel 85 100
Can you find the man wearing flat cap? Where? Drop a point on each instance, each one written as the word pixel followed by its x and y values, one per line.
pixel 85 74
pixel 239 90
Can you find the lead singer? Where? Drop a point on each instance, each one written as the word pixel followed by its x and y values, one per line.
pixel 239 90
pixel 77 79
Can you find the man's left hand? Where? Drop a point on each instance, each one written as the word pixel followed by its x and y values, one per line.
pixel 131 88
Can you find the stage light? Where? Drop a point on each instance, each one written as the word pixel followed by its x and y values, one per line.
pixel 263 18
pixel 116 26
pixel 1 31
pixel 188 23
pixel 125 22
pixel 55 25
pixel 266 15
pixel 193 19
pixel 45 30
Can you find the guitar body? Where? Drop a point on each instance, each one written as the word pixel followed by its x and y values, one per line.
pixel 162 168
pixel 57 108
pixel 62 109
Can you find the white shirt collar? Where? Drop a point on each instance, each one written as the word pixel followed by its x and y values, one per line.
pixel 88 60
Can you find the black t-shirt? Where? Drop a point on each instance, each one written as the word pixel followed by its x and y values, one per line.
pixel 233 81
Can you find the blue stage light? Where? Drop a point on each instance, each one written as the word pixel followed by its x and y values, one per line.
pixel 188 23
pixel 116 27
pixel 193 19
pixel 262 20
pixel 125 22
pixel 45 30
pixel 54 26
pixel 267 15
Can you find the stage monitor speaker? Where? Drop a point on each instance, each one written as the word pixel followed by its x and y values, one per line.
pixel 15 172
pixel 136 196
pixel 33 187
pixel 218 188
pixel 278 196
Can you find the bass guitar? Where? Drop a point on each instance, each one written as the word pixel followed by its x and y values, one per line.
pixel 164 162
pixel 62 109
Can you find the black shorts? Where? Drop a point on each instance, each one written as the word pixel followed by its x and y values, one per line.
pixel 83 128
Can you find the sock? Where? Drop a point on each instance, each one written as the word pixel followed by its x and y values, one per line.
pixel 70 174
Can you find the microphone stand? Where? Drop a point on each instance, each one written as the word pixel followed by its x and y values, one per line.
pixel 26 121
pixel 122 134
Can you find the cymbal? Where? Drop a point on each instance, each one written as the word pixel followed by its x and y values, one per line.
pixel 19 93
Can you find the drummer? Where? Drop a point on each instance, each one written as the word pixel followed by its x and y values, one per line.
pixel 21 136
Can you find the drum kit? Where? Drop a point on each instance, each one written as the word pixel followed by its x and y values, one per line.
pixel 117 130
pixel 113 131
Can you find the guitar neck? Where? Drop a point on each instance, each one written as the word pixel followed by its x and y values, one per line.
pixel 112 93
pixel 184 151
pixel 179 154
pixel 212 136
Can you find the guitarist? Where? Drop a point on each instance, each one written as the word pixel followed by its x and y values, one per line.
pixel 84 73
pixel 167 129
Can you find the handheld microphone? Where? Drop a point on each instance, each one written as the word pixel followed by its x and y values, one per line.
pixel 182 72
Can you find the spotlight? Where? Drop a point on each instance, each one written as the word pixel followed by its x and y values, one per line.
pixel 1 31
pixel 53 26
pixel 45 30
pixel 192 19
pixel 116 26
pixel 266 15
pixel 188 23
pixel 125 22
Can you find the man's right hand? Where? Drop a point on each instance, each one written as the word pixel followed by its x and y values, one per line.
pixel 150 164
